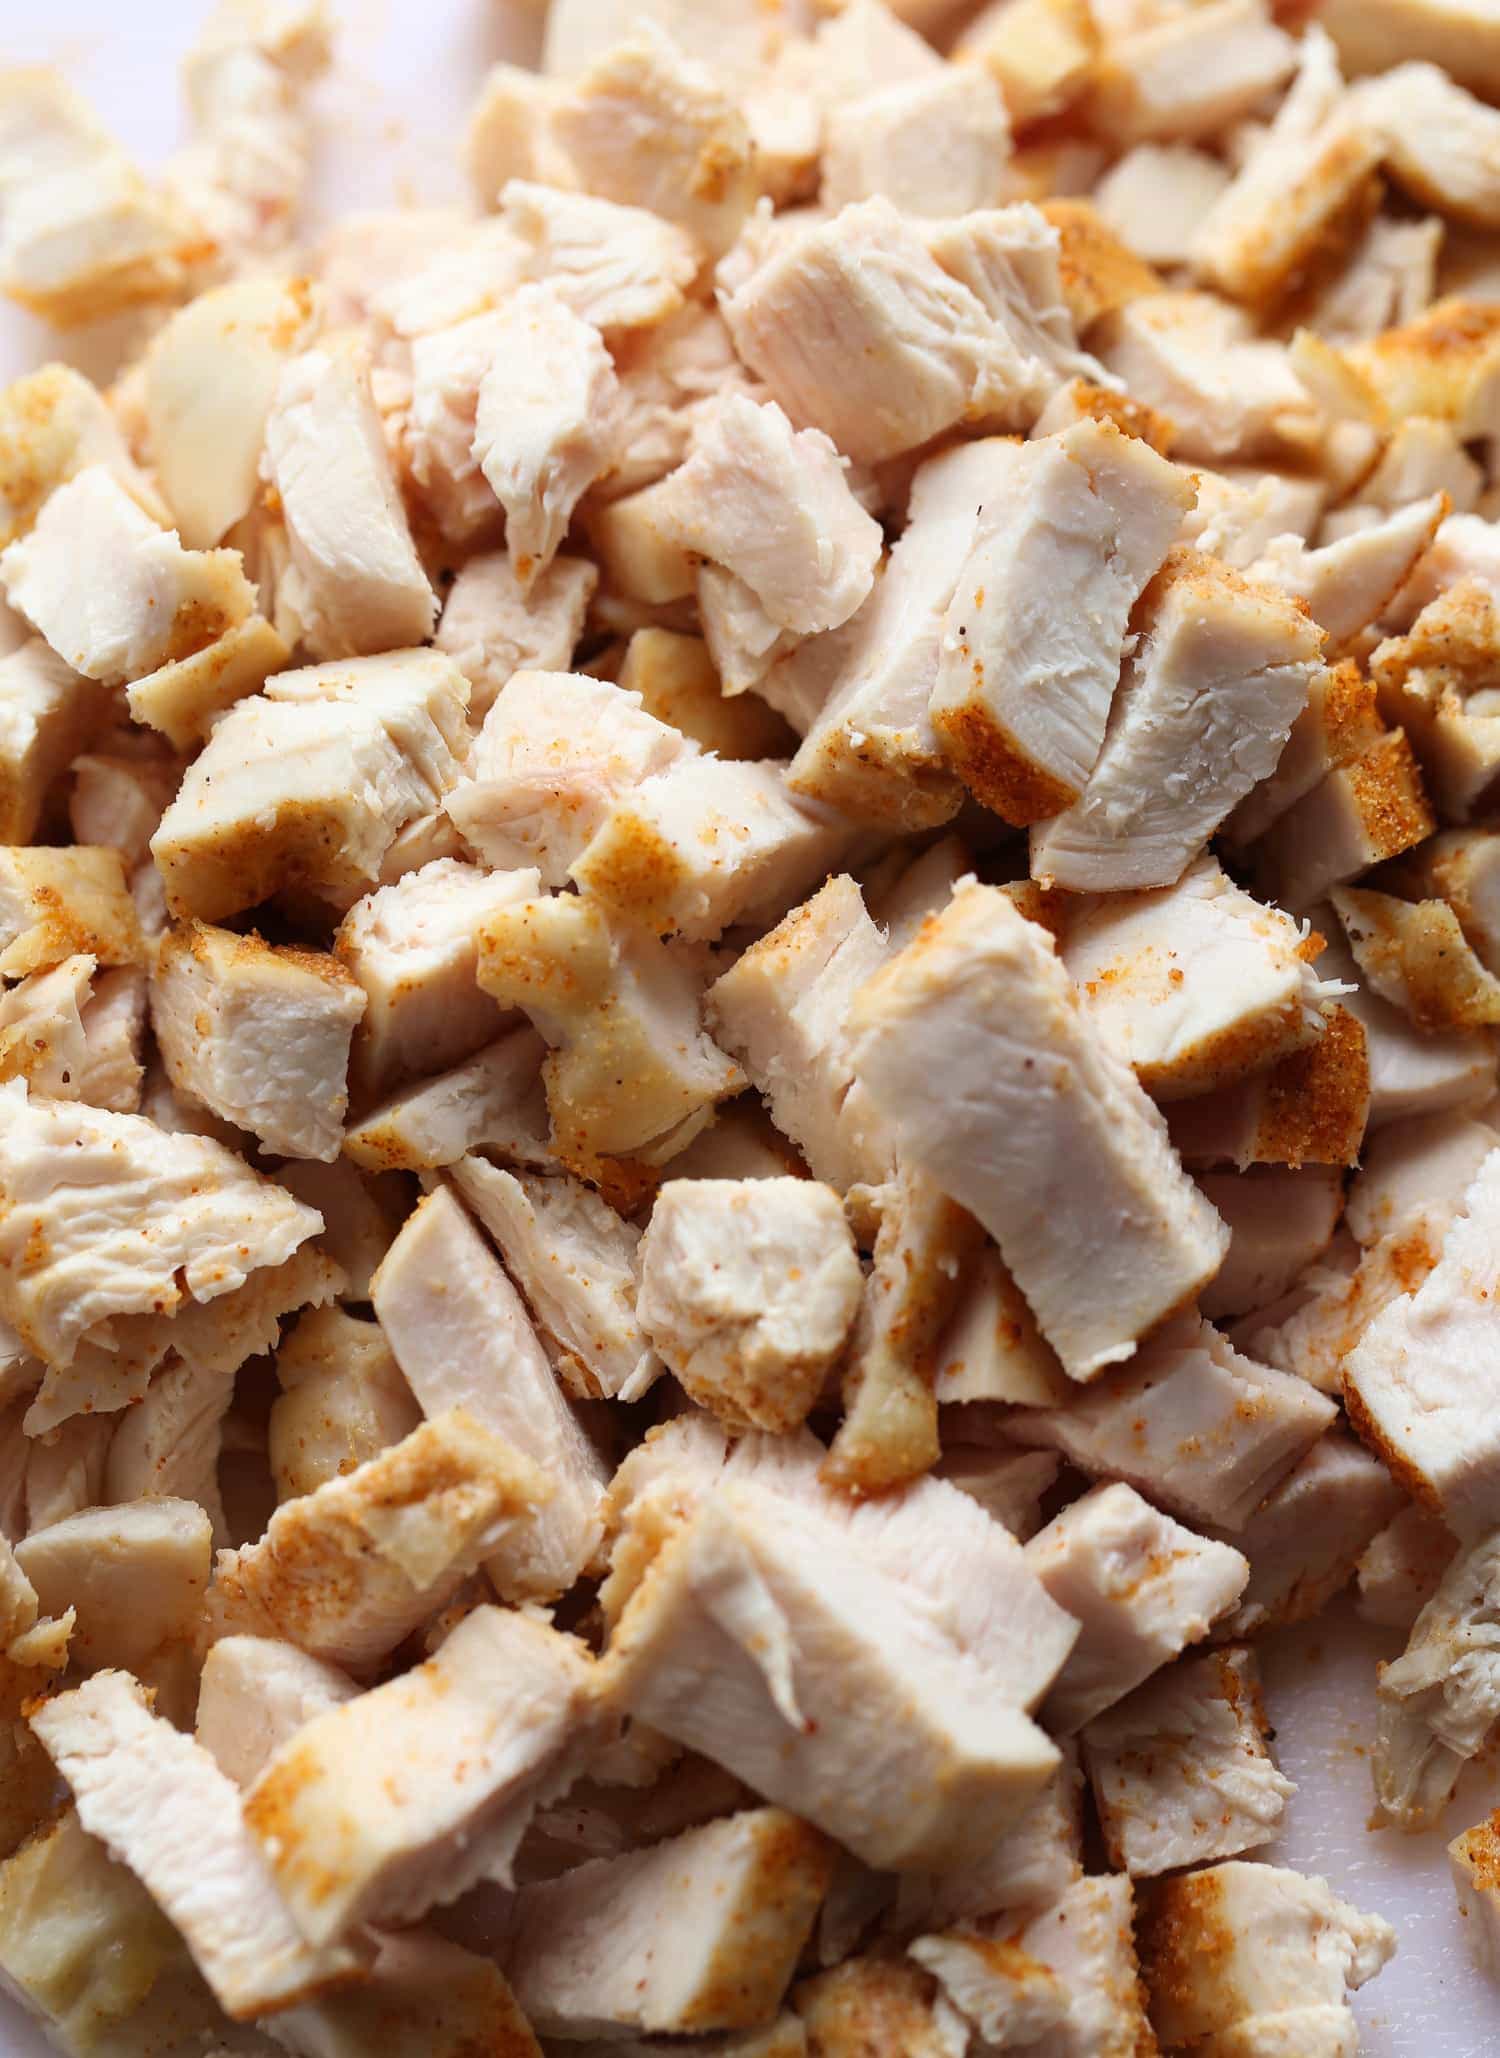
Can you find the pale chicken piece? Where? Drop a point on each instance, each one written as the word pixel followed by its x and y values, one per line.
pixel 185 697
pixel 677 681
pixel 1156 196
pixel 1444 365
pixel 544 428
pixel 1414 1071
pixel 708 843
pixel 1462 867
pixel 463 1339
pixel 858 330
pixel 211 375
pixel 492 1101
pixel 1435 681
pixel 411 948
pixel 343 1401
pixel 1241 508
pixel 48 714
pixel 411 1793
pixel 424 1998
pixel 1312 1108
pixel 722 33
pixel 1304 1540
pixel 1222 671
pixel 647 125
pixel 158 1802
pixel 1007 1996
pixel 1031 1867
pixel 169 1443
pixel 991 1349
pixel 1390 279
pixel 639 560
pixel 616 267
pixel 773 505
pixel 786 2037
pixel 369 250
pixel 1415 1175
pixel 752 653
pixel 935 145
pixel 556 752
pixel 737 1899
pixel 1466 547
pixel 1414 955
pixel 1349 584
pixel 171 1222
pixel 739 1142
pixel 1191 73
pixel 510 134
pixel 749 1290
pixel 1440 1700
pixel 432 419
pixel 349 1571
pixel 1084 400
pixel 1472 1859
pixel 1408 1381
pixel 1010 1485
pixel 783 1011
pixel 1280 1222
pixel 1040 53
pixel 986 985
pixel 1400 1568
pixel 492 628
pixel 1338 725
pixel 1228 393
pixel 452 270
pixel 360 586
pixel 1023 691
pixel 136 1577
pixel 63 1471
pixel 309 783
pixel 1439 143
pixel 1256 1959
pixel 116 596
pixel 879 2002
pixel 1373 35
pixel 1193 985
pixel 762 1635
pixel 667 375
pixel 1026 269
pixel 632 1069
pixel 82 234
pixel 1085 1941
pixel 118 797
pixel 72 1035
pixel 1180 1770
pixel 259 1034
pixel 1365 811
pixel 53 425
pixel 1142 1587
pixel 578 1264
pixel 1422 456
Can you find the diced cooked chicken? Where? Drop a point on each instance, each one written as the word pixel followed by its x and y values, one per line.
pixel 167 1444
pixel 1312 1108
pixel 1400 1568
pixel 257 1693
pixel 1181 1772
pixel 1022 692
pixel 751 653
pixel 1197 361
pixel 510 133
pixel 749 1289
pixel 1338 725
pixel 53 425
pixel 1370 809
pixel 48 714
pixel 1374 34
pixel 135 1575
pixel 859 331
pixel 935 145
pixel 1390 280
pixel 638 559
pixel 73 1036
pixel 1203 1429
pixel 1241 508
pixel 411 948
pixel 544 428
pixel 61 903
pixel 1028 1868
pixel 1439 143
pixel 721 33
pixel 493 1100
pixel 309 783
pixel 1029 270
pixel 1156 197
pixel 1140 1585
pixel 1414 955
pixel 1191 74
pixel 343 1401
pixel 1435 681
pixel 1256 1958
pixel 360 586
pixel 631 1066
pixel 1280 1222
pixel 1476 1882
pixel 411 1793
pixel 991 1349
pixel 1445 364
pixel 258 1034
pixel 878 2002
pixel 1349 584
pixel 429 414
pixel 1192 985
pixel 492 629
pixel 159 1802
pixel 1206 703
pixel 735 1901
pixel 1040 53
pixel 350 1570
pixel 1009 1997
pixel 986 984
pixel 615 266
pixel 765 1637
pixel 1010 1485
pixel 678 684
pixel 82 235
pixel 463 1339
pixel 1439 1701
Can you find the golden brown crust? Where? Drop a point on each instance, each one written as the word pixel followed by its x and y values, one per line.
pixel 1099 273
pixel 994 767
pixel 1317 1101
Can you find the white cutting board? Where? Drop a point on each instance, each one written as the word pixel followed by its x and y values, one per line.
pixel 392 115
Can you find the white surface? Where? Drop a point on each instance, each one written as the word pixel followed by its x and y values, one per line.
pixel 407 70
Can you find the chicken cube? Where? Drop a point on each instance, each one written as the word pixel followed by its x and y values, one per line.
pixel 678 684
pixel 1440 1700
pixel 1434 681
pixel 749 1289
pixel 977 966
pixel 424 1998
pixel 1349 584
pixel 48 714
pixel 462 1337
pixel 1414 955
pixel 936 145
pixel 135 1576
pixel 1189 75
pixel 75 1033
pixel 492 629
pixel 510 134
pixel 53 425
pixel 448 1762
pixel 1025 267
pixel 349 1571
pixel 1440 143
pixel 1206 703
pixel 639 558
pixel 309 783
pixel 158 1801
pixel 1360 814
pixel 1009 1997
pixel 991 1349
pixel 359 584
pixel 1040 53
pixel 878 2003
pixel 258 1034
pixel 1338 725
pixel 1197 361
pixel 1156 196
pixel 1401 1567
pixel 1280 1222
pixel 617 267
pixel 343 1401
pixel 492 1101
pixel 737 1898
pixel 1445 364
pixel 431 413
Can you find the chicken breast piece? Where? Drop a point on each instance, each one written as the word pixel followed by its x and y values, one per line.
pixel 493 1100
pixel 1432 680
pixel 988 986
pixel 991 1348
pixel 424 1998
pixel 1023 692
pixel 1388 32
pixel 54 423
pixel 492 629
pixel 343 1401
pixel 135 1576
pixel 617 267
pixel 678 682
pixel 409 1794
pixel 347 1572
pixel 75 1034
pixel 1374 808
pixel 935 145
pixel 1440 1700
pixel 1191 76
pixel 255 1694
pixel 48 714
pixel 1439 143
pixel 1009 1997
pixel 1155 197
pixel 878 2002
pixel 1280 1223
pixel 59 903
pixel 309 783
pixel 258 1034
pixel 360 586
pixel 1400 1568
pixel 737 1899
pixel 1198 362
pixel 1414 955
pixel 1349 583
pixel 1203 1429
pixel 462 1337
pixel 429 402
pixel 1337 726
pixel 1205 706
pixel 159 1803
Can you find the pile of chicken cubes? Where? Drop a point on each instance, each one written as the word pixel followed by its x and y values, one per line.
pixel 748 1065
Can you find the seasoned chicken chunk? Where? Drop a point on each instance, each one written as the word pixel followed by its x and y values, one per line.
pixel 1400 1568
pixel 1440 1700
pixel 1024 1082
pixel 1439 142
pixel 1414 954
pixel 424 1998
pixel 1156 195
pixel 736 1899
pixel 48 714
pixel 1191 74
pixel 59 903
pixel 678 683
pixel 1471 1859
pixel 1196 360
pixel 492 629
pixel 1338 725
pixel 1348 584
pixel 135 1576
pixel 75 1034
pixel 991 1349
pixel 1280 1222
pixel 1040 53
pixel 53 425
pixel 343 1401
pixel 935 145
pixel 1370 809
pixel 494 1100
pixel 411 1793
pixel 255 1694
pixel 1433 680
pixel 617 267
pixel 157 1800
